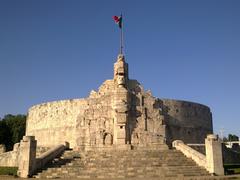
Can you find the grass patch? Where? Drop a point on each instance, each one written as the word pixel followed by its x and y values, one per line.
pixel 8 171
pixel 232 168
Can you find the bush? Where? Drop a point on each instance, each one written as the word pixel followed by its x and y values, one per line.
pixel 12 129
pixel 8 171
pixel 232 168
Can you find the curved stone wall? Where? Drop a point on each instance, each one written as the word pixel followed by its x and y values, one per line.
pixel 187 121
pixel 119 113
pixel 55 122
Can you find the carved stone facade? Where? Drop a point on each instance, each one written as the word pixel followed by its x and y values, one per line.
pixel 119 115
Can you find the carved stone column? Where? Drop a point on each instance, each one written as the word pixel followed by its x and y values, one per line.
pixel 120 101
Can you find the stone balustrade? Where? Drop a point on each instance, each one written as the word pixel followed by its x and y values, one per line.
pixel 49 155
pixel 28 163
pixel 199 158
pixel 212 162
pixel 10 158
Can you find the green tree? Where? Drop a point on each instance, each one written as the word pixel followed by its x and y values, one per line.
pixel 12 129
pixel 4 133
pixel 233 137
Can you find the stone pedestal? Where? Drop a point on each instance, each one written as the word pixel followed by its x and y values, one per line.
pixel 214 155
pixel 27 156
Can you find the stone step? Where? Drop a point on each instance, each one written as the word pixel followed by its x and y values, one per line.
pixel 146 172
pixel 122 164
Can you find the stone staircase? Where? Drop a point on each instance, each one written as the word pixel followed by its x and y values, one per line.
pixel 122 164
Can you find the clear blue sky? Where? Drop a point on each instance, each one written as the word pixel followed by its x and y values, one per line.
pixel 61 49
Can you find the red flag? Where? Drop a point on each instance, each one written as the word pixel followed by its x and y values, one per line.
pixel 118 20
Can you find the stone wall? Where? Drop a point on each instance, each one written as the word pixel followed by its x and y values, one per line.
pixel 187 121
pixel 120 112
pixel 10 158
pixel 83 123
pixel 55 122
pixel 94 128
pixel 146 122
pixel 90 122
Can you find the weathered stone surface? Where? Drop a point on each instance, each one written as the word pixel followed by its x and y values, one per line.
pixel 145 164
pixel 188 121
pixel 214 154
pixel 10 158
pixel 120 113
pixel 54 123
pixel 27 156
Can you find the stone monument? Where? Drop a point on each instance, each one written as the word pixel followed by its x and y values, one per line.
pixel 122 115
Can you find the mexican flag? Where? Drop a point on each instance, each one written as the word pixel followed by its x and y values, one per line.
pixel 118 20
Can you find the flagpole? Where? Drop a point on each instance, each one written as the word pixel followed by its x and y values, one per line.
pixel 121 36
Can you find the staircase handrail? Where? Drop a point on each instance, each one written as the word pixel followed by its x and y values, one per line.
pixel 49 155
pixel 196 156
pixel 196 144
